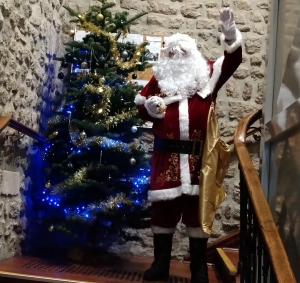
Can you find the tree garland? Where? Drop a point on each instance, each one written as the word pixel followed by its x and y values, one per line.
pixel 87 26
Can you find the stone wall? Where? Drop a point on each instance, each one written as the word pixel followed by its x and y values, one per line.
pixel 30 33
pixel 243 93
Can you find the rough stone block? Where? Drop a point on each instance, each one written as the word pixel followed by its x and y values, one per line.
pixel 129 4
pixel 240 18
pixel 242 5
pixel 241 73
pixel 176 23
pixel 247 92
pixel 259 99
pixel 211 4
pixel 256 17
pixel 239 110
pixel 259 29
pixel 256 61
pixel 205 24
pixel 157 21
pixel 232 89
pixel 190 10
pixel 253 45
pixel 161 8
pixel 205 35
pixel 265 5
pixel 226 129
pixel 257 73
pixel 213 14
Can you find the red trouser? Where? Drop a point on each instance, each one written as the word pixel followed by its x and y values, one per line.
pixel 167 213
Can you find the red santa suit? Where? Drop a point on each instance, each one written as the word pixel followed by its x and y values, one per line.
pixel 174 178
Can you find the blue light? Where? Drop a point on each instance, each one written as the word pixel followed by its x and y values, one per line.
pixel 83 207
pixel 79 151
pixel 69 112
pixel 44 192
pixel 86 215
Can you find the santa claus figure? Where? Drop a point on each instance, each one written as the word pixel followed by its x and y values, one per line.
pixel 177 100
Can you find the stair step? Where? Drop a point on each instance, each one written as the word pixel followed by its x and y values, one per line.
pixel 26 269
pixel 226 263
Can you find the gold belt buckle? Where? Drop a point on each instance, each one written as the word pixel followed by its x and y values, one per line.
pixel 194 153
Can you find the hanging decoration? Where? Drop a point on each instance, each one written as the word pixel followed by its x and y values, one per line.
pixel 100 17
pixel 90 27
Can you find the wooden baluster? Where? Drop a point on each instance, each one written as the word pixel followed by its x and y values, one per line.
pixel 254 250
pixel 243 227
pixel 259 256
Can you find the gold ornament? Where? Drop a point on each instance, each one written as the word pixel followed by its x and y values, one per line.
pixel 99 17
pixel 81 17
pixel 82 134
pixel 84 65
pixel 100 110
pixel 132 161
pixel 48 185
pixel 100 89
pixel 71 32
pixel 51 228
pixel 55 133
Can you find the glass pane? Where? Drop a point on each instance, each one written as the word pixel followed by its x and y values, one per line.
pixel 285 195
pixel 287 69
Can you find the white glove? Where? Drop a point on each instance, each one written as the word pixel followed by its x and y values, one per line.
pixel 156 107
pixel 227 24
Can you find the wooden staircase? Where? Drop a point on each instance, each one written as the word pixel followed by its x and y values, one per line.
pixel 222 268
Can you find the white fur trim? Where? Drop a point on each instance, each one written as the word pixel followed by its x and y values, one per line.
pixel 165 194
pixel 172 193
pixel 139 100
pixel 196 232
pixel 209 88
pixel 171 99
pixel 235 45
pixel 185 176
pixel 162 230
pixel 184 119
pixel 191 190
pixel 154 115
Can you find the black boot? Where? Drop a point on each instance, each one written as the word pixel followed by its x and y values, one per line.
pixel 198 265
pixel 159 269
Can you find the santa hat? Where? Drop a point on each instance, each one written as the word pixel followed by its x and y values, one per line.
pixel 179 43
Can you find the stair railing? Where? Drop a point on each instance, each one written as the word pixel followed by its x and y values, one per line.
pixel 262 257
pixel 6 121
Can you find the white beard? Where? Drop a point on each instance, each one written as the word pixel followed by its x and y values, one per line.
pixel 182 76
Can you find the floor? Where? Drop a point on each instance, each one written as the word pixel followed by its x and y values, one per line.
pixel 25 269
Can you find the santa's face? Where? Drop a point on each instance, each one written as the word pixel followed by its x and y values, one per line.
pixel 182 70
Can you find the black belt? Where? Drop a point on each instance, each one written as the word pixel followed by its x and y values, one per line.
pixel 193 147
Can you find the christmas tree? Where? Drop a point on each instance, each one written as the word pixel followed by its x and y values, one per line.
pixel 97 170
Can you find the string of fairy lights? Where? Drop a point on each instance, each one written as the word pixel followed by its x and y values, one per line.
pixel 51 194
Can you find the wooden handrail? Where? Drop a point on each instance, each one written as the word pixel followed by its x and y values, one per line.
pixel 274 245
pixel 249 133
pixel 6 121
